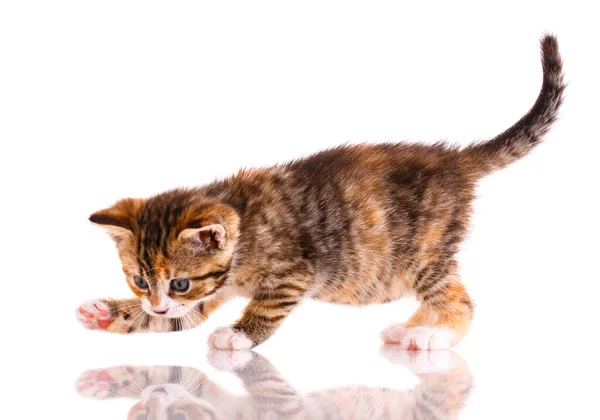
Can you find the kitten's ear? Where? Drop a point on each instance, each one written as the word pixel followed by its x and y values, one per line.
pixel 119 220
pixel 207 238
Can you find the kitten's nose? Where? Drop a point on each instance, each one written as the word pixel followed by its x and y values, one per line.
pixel 160 309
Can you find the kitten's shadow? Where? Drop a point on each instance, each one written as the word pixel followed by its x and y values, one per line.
pixel 184 393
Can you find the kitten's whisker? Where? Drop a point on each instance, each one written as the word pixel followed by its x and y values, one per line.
pixel 133 322
pixel 189 324
pixel 121 307
pixel 136 383
pixel 200 316
pixel 191 380
pixel 189 318
pixel 151 270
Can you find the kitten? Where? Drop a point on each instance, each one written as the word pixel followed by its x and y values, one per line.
pixel 184 393
pixel 354 225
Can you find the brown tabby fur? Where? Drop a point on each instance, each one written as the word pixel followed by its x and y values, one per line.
pixel 355 225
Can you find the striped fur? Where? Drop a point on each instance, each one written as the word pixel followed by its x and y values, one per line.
pixel 519 139
pixel 354 225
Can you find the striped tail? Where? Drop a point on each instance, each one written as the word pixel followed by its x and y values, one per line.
pixel 519 139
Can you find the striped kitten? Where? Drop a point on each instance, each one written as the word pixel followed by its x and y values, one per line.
pixel 183 393
pixel 354 225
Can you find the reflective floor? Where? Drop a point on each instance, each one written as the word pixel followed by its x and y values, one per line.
pixel 181 392
pixel 305 373
pixel 323 364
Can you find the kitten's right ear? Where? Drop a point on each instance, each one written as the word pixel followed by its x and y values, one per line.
pixel 120 219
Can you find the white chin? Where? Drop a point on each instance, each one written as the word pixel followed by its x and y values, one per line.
pixel 179 312
pixel 169 314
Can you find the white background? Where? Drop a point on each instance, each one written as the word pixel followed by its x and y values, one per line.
pixel 110 99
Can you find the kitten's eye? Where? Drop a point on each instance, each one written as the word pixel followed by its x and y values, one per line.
pixel 180 285
pixel 140 282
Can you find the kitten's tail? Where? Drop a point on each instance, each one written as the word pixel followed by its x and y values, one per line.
pixel 518 140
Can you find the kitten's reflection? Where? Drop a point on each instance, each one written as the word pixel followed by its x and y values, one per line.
pixel 183 393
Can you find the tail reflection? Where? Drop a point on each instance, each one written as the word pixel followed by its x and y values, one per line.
pixel 183 393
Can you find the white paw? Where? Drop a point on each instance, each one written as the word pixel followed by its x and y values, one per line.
pixel 95 384
pixel 419 362
pixel 225 338
pixel 94 315
pixel 229 360
pixel 418 338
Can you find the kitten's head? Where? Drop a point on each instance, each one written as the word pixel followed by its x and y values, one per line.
pixel 175 248
pixel 170 402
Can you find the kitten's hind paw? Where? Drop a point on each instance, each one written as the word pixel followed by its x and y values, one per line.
pixel 94 315
pixel 226 338
pixel 418 338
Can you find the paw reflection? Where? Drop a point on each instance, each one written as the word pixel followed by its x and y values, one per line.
pixel 183 393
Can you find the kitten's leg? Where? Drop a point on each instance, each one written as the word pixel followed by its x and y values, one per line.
pixel 270 392
pixel 117 381
pixel 131 381
pixel 263 315
pixel 127 316
pixel 112 382
pixel 444 316
pixel 445 380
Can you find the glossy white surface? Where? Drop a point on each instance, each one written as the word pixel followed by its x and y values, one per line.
pixel 102 100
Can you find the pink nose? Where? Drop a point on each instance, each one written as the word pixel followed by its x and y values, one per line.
pixel 160 309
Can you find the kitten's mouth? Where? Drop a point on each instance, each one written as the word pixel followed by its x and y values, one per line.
pixel 170 314
pixel 176 312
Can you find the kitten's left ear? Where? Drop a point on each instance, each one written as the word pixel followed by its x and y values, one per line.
pixel 120 219
pixel 207 238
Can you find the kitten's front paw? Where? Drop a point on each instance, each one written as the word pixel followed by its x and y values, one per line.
pixel 94 315
pixel 95 384
pixel 225 338
pixel 229 360
pixel 418 338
